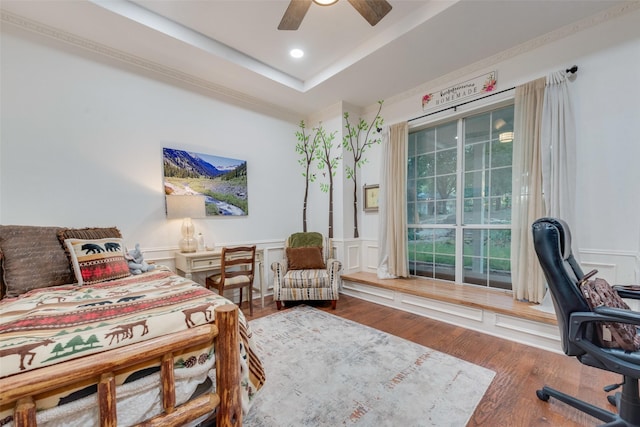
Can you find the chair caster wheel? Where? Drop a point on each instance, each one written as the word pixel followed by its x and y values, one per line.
pixel 542 395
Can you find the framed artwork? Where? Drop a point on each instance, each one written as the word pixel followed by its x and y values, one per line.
pixel 221 180
pixel 371 198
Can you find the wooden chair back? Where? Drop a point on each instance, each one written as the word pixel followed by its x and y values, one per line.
pixel 237 265
pixel 237 261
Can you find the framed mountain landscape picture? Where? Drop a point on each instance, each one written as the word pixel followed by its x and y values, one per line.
pixel 221 180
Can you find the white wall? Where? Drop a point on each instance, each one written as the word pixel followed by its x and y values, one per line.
pixel 81 144
pixel 606 96
pixel 82 140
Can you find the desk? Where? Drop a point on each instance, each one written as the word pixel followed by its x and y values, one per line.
pixel 205 261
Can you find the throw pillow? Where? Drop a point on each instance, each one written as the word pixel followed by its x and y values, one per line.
pixel 32 257
pixel 305 258
pixel 97 260
pixel 88 233
pixel 599 293
pixel 305 239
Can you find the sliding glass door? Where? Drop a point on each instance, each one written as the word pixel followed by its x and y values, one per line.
pixel 459 199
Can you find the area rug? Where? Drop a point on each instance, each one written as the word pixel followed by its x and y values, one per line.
pixel 323 370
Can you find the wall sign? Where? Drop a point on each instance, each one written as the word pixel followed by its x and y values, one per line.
pixel 477 86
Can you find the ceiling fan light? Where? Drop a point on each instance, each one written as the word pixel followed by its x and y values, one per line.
pixel 325 2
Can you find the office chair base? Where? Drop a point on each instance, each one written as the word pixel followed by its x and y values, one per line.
pixel 612 419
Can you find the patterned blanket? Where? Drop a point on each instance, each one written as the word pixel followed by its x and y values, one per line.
pixel 52 325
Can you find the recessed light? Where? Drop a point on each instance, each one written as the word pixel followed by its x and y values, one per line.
pixel 296 53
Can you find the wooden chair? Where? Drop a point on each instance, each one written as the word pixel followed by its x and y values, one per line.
pixel 236 272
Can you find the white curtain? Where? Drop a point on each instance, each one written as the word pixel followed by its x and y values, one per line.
pixel 544 174
pixel 383 250
pixel 528 205
pixel 558 138
pixel 392 204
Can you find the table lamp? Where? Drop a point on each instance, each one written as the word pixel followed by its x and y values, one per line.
pixel 186 207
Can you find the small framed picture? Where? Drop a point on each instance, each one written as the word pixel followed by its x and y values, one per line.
pixel 371 197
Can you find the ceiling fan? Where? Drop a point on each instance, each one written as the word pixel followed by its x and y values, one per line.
pixel 371 10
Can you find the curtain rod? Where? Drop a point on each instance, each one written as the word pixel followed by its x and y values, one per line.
pixel 571 70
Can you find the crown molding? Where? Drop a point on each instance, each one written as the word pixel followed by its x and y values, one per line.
pixel 243 100
pixel 208 87
pixel 489 62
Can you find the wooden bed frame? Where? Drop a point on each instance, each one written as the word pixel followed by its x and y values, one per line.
pixel 20 390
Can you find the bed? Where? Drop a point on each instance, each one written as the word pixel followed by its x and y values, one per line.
pixel 85 342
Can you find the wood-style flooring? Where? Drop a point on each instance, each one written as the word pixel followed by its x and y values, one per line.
pixel 520 370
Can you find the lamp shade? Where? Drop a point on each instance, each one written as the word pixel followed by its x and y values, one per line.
pixel 185 207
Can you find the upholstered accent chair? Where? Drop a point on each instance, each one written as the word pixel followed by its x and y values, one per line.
pixel 306 273
pixel 236 272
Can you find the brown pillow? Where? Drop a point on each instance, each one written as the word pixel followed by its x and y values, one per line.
pixel 32 257
pixel 88 233
pixel 305 258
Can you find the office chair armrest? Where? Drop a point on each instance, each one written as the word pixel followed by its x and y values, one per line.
pixel 628 291
pixel 578 322
pixel 618 315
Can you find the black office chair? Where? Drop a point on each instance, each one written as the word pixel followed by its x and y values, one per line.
pixel 552 242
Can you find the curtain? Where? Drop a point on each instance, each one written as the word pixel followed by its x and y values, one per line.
pixel 392 210
pixel 383 250
pixel 528 205
pixel 558 138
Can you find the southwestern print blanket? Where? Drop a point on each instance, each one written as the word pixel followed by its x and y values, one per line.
pixel 52 325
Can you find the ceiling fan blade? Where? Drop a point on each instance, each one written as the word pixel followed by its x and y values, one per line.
pixel 294 14
pixel 371 10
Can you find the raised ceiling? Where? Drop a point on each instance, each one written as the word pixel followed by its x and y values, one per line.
pixel 234 47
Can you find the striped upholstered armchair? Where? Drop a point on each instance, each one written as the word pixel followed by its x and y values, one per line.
pixel 306 273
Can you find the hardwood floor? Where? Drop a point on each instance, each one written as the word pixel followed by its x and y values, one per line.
pixel 520 370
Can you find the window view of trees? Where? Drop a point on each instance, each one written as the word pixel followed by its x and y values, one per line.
pixel 459 184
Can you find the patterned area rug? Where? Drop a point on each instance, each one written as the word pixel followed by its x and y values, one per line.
pixel 323 370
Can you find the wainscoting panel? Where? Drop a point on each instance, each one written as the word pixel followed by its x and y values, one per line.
pixel 369 293
pixel 352 261
pixel 608 272
pixel 439 310
pixel 515 327
pixel 371 256
pixel 483 320
pixel 616 267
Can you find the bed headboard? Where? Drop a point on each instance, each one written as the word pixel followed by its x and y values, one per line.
pixel 34 257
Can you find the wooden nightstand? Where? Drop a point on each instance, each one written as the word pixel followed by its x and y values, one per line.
pixel 209 261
